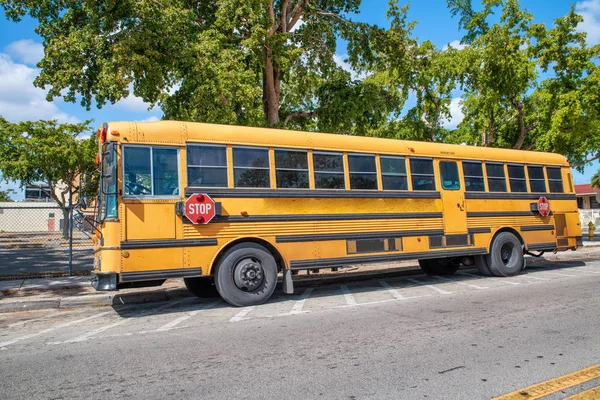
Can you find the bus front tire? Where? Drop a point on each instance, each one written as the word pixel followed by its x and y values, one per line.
pixel 506 256
pixel 201 287
pixel 439 266
pixel 246 275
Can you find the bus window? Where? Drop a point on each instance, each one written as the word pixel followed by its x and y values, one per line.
pixel 363 173
pixel 449 175
pixel 251 167
pixel 537 181
pixel 329 170
pixel 150 171
pixel 393 173
pixel 473 172
pixel 207 166
pixel 421 170
pixel 496 177
pixel 555 179
pixel 291 168
pixel 516 177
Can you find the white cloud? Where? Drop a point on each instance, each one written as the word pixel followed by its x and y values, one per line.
pixel 456 115
pixel 133 103
pixel 455 44
pixel 152 118
pixel 590 11
pixel 20 100
pixel 26 51
pixel 340 59
pixel 297 25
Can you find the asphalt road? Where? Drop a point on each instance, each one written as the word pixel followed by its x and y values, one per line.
pixel 404 338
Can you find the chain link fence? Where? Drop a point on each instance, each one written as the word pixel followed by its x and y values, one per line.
pixel 32 243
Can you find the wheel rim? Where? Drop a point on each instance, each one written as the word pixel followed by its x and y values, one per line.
pixel 506 253
pixel 248 274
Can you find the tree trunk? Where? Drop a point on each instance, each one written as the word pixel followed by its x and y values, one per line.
pixel 66 222
pixel 271 89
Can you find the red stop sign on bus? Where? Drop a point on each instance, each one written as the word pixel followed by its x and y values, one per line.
pixel 543 206
pixel 199 208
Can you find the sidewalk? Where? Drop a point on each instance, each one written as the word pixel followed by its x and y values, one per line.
pixel 76 291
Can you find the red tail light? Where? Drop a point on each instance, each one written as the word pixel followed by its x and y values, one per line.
pixel 102 133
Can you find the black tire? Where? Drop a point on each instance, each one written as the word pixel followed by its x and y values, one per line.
pixel 246 275
pixel 202 287
pixel 506 255
pixel 439 266
pixel 482 265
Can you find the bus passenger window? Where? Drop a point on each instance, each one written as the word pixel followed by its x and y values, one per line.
pixel 207 166
pixel 555 180
pixel 329 170
pixel 421 170
pixel 537 181
pixel 150 171
pixel 495 176
pixel 516 177
pixel 291 168
pixel 363 173
pixel 393 173
pixel 251 167
pixel 449 175
pixel 473 172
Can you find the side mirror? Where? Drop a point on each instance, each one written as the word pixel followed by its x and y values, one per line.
pixel 109 153
pixel 111 175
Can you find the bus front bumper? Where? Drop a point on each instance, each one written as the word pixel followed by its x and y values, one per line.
pixel 104 281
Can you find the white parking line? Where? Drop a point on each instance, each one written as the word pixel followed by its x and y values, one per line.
pixel 395 294
pixel 554 273
pixel 592 272
pixel 350 300
pixel 3 345
pixel 494 279
pixel 462 283
pixel 432 287
pixel 533 277
pixel 89 335
pixel 242 314
pixel 177 321
pixel 297 309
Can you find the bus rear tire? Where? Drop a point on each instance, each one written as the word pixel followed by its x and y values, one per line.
pixel 201 287
pixel 506 255
pixel 482 265
pixel 439 266
pixel 246 275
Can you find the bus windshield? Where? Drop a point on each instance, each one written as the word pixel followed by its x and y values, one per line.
pixel 107 204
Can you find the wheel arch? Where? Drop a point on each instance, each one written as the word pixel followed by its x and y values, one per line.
pixel 249 239
pixel 505 229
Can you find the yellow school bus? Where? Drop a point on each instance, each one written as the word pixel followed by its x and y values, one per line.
pixel 283 201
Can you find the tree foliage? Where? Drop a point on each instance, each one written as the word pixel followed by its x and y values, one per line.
pixel 49 153
pixel 5 195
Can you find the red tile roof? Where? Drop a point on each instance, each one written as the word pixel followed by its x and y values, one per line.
pixel 586 188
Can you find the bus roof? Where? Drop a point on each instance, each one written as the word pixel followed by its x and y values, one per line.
pixel 179 133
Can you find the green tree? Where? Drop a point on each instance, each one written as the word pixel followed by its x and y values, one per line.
pixel 5 195
pixel 232 61
pixel 596 180
pixel 49 153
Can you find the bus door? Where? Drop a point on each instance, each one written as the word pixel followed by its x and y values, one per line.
pixel 453 204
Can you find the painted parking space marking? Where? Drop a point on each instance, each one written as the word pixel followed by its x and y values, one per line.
pixel 350 300
pixel 299 305
pixel 458 282
pixel 491 278
pixel 592 394
pixel 91 334
pixel 432 287
pixel 240 316
pixel 3 345
pixel 395 293
pixel 170 325
pixel 557 274
pixel 20 323
pixel 548 387
pixel 534 277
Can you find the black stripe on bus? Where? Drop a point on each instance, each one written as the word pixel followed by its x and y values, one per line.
pixel 479 230
pixel 157 244
pixel 159 274
pixel 308 193
pixel 358 235
pixel 323 217
pixel 541 246
pixel 340 261
pixel 475 214
pixel 519 196
pixel 530 228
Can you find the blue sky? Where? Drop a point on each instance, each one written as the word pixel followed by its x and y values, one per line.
pixel 20 50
